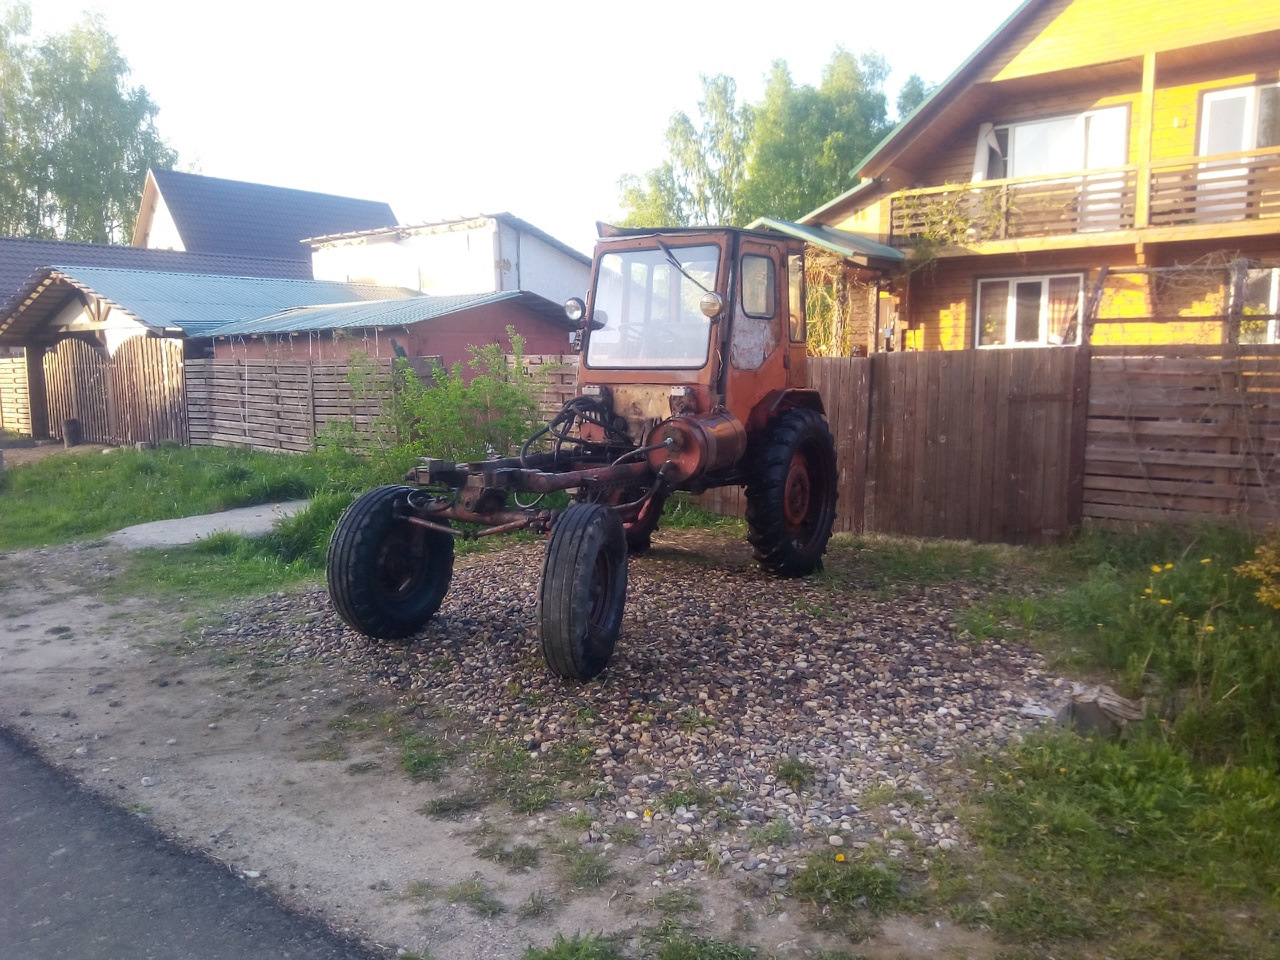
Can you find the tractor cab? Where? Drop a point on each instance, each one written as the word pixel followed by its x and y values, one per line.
pixel 692 321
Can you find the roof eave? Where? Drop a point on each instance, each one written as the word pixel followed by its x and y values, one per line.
pixel 875 162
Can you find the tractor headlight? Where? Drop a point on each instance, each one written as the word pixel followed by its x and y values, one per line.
pixel 711 304
pixel 575 309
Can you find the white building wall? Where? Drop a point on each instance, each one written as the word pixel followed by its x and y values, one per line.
pixel 440 263
pixel 163 234
pixel 530 263
pixel 477 256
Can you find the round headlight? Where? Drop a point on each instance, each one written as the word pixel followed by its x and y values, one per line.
pixel 711 304
pixel 575 309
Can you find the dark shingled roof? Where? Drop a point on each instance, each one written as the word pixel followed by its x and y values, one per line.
pixel 255 220
pixel 21 258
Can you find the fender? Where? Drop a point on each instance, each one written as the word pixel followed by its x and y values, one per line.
pixel 777 402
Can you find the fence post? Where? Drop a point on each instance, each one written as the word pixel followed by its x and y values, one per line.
pixel 1079 436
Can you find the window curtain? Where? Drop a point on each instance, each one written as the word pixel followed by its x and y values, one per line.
pixel 1064 310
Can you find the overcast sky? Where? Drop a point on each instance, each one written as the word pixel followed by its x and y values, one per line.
pixel 446 110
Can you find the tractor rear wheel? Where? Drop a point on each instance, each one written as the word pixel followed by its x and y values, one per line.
pixel 791 497
pixel 584 591
pixel 387 577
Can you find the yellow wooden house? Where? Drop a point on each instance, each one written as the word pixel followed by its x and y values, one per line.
pixel 1096 172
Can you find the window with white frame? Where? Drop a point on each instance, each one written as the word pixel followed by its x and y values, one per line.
pixel 1261 304
pixel 1093 140
pixel 1247 118
pixel 1030 311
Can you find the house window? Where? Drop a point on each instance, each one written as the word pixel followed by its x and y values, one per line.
pixel 1030 311
pixel 1261 303
pixel 1095 139
pixel 1237 120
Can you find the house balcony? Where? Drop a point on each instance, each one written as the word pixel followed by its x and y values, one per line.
pixel 1189 197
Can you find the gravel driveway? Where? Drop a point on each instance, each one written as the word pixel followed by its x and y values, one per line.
pixel 721 675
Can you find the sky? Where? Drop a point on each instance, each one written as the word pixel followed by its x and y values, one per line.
pixel 448 110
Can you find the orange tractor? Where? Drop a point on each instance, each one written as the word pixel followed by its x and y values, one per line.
pixel 693 375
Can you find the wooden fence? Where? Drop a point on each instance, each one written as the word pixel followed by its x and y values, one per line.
pixel 133 396
pixel 276 404
pixel 977 445
pixel 1191 434
pixel 283 405
pixel 15 405
pixel 1009 445
pixel 1022 446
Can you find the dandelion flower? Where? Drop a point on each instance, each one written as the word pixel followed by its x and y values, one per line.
pixel 1147 590
pixel 1208 628
pixel 1156 568
pixel 1165 600
pixel 839 858
pixel 1168 566
pixel 1207 560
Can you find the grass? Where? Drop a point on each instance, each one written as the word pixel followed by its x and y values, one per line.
pixel 98 493
pixel 583 869
pixel 476 895
pixel 514 856
pixel 775 833
pixel 577 947
pixel 421 757
pixel 1165 843
pixel 795 773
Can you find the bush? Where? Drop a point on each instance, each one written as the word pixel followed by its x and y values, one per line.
pixel 451 416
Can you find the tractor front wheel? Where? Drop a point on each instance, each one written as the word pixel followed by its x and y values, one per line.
pixel 791 497
pixel 584 591
pixel 387 576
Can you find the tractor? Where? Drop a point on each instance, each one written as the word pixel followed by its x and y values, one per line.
pixel 692 375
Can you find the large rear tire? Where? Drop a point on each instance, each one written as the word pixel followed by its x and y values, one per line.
pixel 387 577
pixel 584 591
pixel 791 497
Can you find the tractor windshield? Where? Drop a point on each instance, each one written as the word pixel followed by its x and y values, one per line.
pixel 646 308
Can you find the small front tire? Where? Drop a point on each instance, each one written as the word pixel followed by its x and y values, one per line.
pixel 584 591
pixel 387 577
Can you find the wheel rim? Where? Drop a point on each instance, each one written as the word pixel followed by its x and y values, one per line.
pixel 797 494
pixel 400 567
pixel 601 591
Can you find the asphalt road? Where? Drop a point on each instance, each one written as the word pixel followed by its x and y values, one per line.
pixel 83 880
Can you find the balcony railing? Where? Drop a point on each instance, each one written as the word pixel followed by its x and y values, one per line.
pixel 1216 189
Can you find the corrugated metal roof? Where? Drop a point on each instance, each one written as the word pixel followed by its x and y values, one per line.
pixel 851 245
pixel 256 220
pixel 346 316
pixel 191 302
pixel 21 258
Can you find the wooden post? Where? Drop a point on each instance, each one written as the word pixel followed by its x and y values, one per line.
pixel 1079 436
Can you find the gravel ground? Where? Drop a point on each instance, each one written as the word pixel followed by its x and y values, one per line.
pixel 723 679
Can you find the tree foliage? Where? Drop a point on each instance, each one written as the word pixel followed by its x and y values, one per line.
pixel 795 149
pixel 76 138
pixel 703 177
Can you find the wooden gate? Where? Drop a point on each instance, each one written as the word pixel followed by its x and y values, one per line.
pixel 133 396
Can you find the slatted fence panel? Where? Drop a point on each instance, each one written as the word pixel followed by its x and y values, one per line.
pixel 1187 436
pixel 15 401
pixel 276 405
pixel 75 376
pixel 971 444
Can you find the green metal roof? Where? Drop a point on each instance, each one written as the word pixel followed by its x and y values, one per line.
pixel 860 249
pixel 197 303
pixel 376 313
